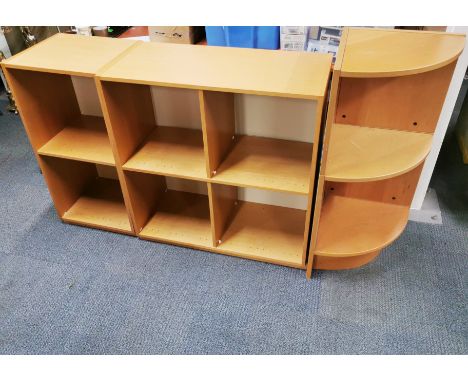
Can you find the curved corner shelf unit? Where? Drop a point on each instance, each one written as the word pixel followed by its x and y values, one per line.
pixel 387 92
pixel 395 53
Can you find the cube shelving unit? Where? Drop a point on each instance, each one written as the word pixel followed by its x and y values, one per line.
pixel 387 92
pixel 207 147
pixel 219 182
pixel 72 148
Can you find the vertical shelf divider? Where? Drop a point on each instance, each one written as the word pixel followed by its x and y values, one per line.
pixel 129 118
pixel 218 126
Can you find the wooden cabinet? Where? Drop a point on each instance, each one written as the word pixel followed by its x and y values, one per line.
pixel 387 93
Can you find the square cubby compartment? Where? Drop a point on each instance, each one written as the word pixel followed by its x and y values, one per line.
pixel 157 130
pixel 260 141
pixel 63 115
pixel 86 193
pixel 259 224
pixel 168 209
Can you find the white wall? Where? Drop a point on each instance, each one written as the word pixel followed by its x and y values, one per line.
pixel 442 125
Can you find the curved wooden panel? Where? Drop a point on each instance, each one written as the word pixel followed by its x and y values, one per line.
pixel 393 53
pixel 361 154
pixel 339 263
pixel 351 226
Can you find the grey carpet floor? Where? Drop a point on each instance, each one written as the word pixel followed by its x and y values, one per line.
pixel 71 290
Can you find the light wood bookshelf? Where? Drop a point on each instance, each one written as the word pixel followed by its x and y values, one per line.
pixel 386 95
pixel 73 149
pixel 215 164
pixel 237 179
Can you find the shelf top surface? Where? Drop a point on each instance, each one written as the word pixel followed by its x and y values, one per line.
pixel 237 70
pixel 70 54
pixel 391 53
pixel 361 154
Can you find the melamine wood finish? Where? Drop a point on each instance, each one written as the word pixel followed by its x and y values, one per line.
pixel 223 202
pixel 101 205
pixel 181 218
pixel 47 102
pixel 403 103
pixel 325 139
pixel 351 227
pixel 130 116
pixel 240 70
pixel 65 180
pixel 40 78
pixel 267 163
pixel 85 139
pixel 360 154
pixel 70 54
pixel 218 124
pixel 378 135
pixel 393 53
pixel 144 193
pixel 326 263
pixel 171 151
pixel 266 233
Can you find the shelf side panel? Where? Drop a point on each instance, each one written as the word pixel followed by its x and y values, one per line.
pixel 218 123
pixel 410 103
pixel 223 200
pixel 46 102
pixel 131 116
pixel 66 180
pixel 145 191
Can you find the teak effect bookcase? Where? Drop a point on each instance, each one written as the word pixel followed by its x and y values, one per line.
pixel 222 149
pixel 236 178
pixel 387 92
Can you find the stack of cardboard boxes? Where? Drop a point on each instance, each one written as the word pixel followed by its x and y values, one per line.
pixel 294 38
pixel 324 40
pixel 312 39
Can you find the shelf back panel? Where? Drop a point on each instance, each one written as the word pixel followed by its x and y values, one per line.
pixel 398 190
pixel 411 103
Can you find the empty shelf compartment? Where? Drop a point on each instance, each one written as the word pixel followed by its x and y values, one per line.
pixel 171 151
pixel 85 139
pixel 273 164
pixel 101 205
pixel 264 232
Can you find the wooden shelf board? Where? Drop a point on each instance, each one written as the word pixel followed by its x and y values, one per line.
pixel 267 163
pixel 351 227
pixel 361 154
pixel 181 218
pixel 172 151
pixel 69 54
pixel 285 74
pixel 391 53
pixel 84 139
pixel 100 206
pixel 266 233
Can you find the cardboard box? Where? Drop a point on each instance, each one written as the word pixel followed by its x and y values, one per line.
pixel 293 41
pixel 294 30
pixel 176 34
